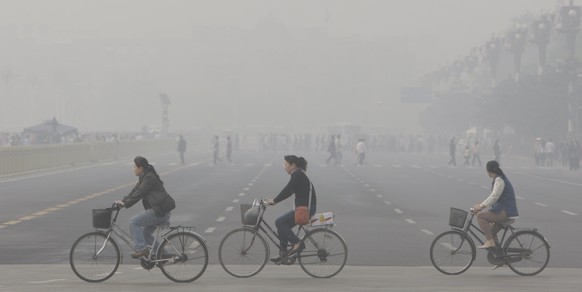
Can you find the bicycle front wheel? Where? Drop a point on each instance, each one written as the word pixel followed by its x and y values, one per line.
pixel 527 253
pixel 452 252
pixel 94 257
pixel 325 253
pixel 184 255
pixel 243 252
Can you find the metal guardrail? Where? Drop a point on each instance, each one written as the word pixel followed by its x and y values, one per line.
pixel 31 158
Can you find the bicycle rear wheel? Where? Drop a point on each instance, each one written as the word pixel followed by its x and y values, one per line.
pixel 243 252
pixel 94 258
pixel 325 253
pixel 185 257
pixel 452 252
pixel 527 253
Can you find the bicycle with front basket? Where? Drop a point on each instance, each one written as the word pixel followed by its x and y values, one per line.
pixel 524 250
pixel 181 254
pixel 244 252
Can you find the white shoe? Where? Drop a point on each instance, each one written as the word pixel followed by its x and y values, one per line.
pixel 487 244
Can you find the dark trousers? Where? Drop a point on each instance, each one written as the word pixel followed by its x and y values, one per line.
pixel 284 225
pixel 182 158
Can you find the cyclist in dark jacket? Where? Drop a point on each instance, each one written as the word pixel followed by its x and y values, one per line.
pixel 156 202
pixel 301 186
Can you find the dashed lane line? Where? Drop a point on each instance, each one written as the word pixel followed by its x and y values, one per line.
pixel 379 196
pixel 519 198
pixel 235 200
pixel 228 209
pixel 410 221
pixel 241 194
pixel 220 219
pixel 398 211
pixel 427 231
pixel 210 230
pixel 387 203
pixel 540 204
pixel 47 281
pixel 569 213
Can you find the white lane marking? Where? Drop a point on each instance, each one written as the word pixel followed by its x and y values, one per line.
pixel 246 189
pixel 380 196
pixel 569 213
pixel 210 230
pixel 396 165
pixel 367 185
pixel 552 179
pixel 228 209
pixel 235 200
pixel 427 231
pixel 410 221
pixel 47 281
pixel 173 163
pixel 448 176
pixel 387 203
pixel 460 180
pixel 372 190
pixel 25 218
pixel 519 198
pixel 447 245
pixel 471 183
pixel 540 204
pixel 485 187
pixel 220 219
pixel 250 184
pixel 416 166
pixel 2 226
pixel 398 211
pixel 241 194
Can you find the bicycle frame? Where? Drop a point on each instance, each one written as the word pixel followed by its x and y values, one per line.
pixel 114 228
pixel 468 230
pixel 271 234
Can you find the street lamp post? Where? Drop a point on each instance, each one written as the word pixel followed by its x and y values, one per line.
pixel 515 43
pixel 568 25
pixel 540 29
pixel 491 53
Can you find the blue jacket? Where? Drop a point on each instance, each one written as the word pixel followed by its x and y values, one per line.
pixel 507 199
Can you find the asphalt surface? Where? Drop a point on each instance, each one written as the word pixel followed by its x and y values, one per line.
pixel 388 212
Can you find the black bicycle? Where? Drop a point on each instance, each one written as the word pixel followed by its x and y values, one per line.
pixel 182 254
pixel 524 250
pixel 244 252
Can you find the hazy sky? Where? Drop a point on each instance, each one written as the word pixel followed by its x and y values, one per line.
pixel 433 33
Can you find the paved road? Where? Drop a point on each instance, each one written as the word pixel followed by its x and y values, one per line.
pixel 388 211
pixel 281 278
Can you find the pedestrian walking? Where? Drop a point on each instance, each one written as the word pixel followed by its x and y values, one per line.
pixel 216 146
pixel 182 148
pixel 331 149
pixel 228 149
pixel 453 151
pixel 497 150
pixel 360 152
pixel 467 155
pixel 476 156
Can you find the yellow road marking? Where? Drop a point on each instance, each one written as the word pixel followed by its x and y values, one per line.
pixel 12 222
pixel 68 204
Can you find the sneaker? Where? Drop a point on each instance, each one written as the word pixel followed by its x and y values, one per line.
pixel 487 244
pixel 141 253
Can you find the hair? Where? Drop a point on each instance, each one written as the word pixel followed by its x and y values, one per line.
pixel 142 162
pixel 493 167
pixel 298 161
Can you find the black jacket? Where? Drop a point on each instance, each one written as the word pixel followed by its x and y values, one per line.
pixel 151 191
pixel 299 185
